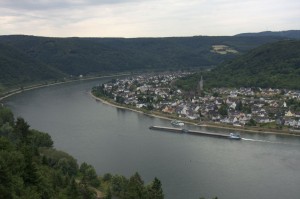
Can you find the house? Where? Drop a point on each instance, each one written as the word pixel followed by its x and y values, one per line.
pixel 284 105
pixel 297 114
pixel 290 122
pixel 197 108
pixel 289 114
pixel 168 109
pixel 280 121
pixel 226 120
pixel 263 120
pixel 233 105
pixel 233 93
pixel 141 105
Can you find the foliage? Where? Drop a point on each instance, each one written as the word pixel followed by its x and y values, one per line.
pixel 292 34
pixel 89 175
pixel 28 59
pixel 18 68
pixel 134 187
pixel 31 168
pixel 26 171
pixel 6 116
pixel 41 139
pixel 251 122
pixel 294 104
pixel 223 110
pixel 275 65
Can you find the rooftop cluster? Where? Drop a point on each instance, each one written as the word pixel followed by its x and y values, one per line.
pixel 239 107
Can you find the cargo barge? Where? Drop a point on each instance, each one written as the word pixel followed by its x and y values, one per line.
pixel 232 136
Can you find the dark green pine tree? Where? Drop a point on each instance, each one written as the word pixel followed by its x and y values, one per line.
pixel 155 190
pixel 135 188
pixel 72 190
pixel 5 180
pixel 30 176
pixel 21 130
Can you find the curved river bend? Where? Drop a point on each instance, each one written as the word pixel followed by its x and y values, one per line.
pixel 120 142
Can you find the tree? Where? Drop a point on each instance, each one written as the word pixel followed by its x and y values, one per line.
pixel 120 99
pixel 155 190
pixel 252 122
pixel 21 130
pixel 239 106
pixel 6 130
pixel 246 109
pixel 223 110
pixel 5 179
pixel 40 139
pixel 83 167
pixel 85 191
pixel 215 94
pixel 89 174
pixel 118 185
pixel 150 107
pixel 107 177
pixel 108 194
pixel 135 187
pixel 30 175
pixel 72 190
pixel 6 116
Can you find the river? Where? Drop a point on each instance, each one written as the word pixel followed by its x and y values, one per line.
pixel 119 141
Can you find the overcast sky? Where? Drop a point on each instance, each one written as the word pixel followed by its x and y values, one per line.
pixel 146 18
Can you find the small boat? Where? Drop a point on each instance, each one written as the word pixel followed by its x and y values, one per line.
pixel 185 131
pixel 177 123
pixel 234 136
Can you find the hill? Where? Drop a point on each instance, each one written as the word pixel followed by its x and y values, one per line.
pixel 28 59
pixel 292 34
pixel 275 65
pixel 18 68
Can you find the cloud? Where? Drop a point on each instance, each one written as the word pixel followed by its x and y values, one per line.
pixel 139 18
pixel 56 4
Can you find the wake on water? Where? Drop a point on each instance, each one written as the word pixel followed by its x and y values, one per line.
pixel 266 141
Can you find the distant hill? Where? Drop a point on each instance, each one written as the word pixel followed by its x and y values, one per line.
pixel 18 68
pixel 275 65
pixel 26 59
pixel 292 34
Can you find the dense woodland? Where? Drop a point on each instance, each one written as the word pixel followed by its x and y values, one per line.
pixel 29 59
pixel 31 168
pixel 275 65
pixel 291 34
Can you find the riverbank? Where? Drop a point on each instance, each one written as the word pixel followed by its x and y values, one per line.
pixel 36 86
pixel 202 124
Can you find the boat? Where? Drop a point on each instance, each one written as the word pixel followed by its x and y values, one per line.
pixel 234 136
pixel 177 123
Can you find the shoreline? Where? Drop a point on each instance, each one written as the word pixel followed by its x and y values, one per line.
pixel 36 86
pixel 262 131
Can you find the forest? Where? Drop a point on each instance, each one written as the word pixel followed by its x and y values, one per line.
pixel 31 168
pixel 30 59
pixel 274 65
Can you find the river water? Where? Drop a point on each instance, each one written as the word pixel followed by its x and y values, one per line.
pixel 119 141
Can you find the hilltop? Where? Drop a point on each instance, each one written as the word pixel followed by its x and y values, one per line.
pixel 28 59
pixel 292 34
pixel 275 65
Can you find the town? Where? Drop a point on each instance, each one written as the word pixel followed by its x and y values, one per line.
pixel 267 108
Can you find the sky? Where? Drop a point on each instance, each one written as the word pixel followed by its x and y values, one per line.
pixel 146 18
